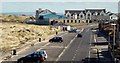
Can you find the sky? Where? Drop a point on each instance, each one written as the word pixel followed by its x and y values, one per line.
pixel 56 5
pixel 59 0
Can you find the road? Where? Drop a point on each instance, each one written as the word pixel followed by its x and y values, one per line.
pixel 71 50
pixel 79 49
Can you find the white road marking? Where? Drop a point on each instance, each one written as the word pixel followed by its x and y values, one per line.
pixel 22 50
pixel 87 30
pixel 77 49
pixel 47 44
pixel 63 34
pixel 38 49
pixel 73 57
pixel 95 38
pixel 67 47
pixel 89 54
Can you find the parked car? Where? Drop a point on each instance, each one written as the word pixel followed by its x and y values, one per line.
pixel 56 39
pixel 79 35
pixel 34 57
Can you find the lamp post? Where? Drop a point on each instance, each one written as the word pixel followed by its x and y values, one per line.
pixel 114 18
pixel 114 41
pixel 114 33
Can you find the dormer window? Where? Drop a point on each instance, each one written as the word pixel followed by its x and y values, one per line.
pixel 88 14
pixel 81 16
pixel 98 13
pixel 102 13
pixel 68 16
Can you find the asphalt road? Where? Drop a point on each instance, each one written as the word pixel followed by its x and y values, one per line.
pixel 79 49
pixel 72 49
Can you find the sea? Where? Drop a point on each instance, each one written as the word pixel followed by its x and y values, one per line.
pixel 19 13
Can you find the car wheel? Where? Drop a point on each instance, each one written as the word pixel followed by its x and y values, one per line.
pixel 21 61
pixel 38 61
pixel 45 58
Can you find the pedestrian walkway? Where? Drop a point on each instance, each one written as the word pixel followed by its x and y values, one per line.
pixel 102 46
pixel 99 49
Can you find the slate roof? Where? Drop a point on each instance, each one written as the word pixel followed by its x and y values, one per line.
pixel 52 16
pixel 74 11
pixel 84 11
pixel 95 10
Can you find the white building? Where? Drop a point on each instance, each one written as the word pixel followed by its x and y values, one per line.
pixel 88 15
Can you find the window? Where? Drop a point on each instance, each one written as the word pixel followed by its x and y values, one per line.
pixel 75 21
pixel 71 17
pixel 67 21
pixel 79 21
pixel 63 21
pixel 71 21
pixel 68 16
pixel 98 13
pixel 88 18
pixel 81 16
pixel 92 13
pixel 88 14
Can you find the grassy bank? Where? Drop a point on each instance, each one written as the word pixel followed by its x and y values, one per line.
pixel 17 34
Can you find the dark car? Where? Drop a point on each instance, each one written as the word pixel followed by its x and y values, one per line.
pixel 34 57
pixel 56 39
pixel 79 35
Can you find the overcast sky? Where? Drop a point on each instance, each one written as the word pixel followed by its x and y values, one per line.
pixel 60 0
pixel 56 5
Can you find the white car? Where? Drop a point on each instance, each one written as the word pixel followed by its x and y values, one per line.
pixel 43 53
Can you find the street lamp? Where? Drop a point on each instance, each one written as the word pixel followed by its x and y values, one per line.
pixel 114 33
pixel 114 42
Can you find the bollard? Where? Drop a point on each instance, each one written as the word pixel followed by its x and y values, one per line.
pixel 56 32
pixel 39 39
pixel 14 51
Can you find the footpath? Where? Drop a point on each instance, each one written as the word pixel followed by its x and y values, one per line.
pixel 99 49
pixel 8 55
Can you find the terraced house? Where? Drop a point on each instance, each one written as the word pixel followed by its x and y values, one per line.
pixel 86 15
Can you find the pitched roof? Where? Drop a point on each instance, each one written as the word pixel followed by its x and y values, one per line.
pixel 92 10
pixel 95 10
pixel 52 16
pixel 75 11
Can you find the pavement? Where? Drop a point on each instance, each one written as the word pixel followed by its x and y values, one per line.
pixel 101 44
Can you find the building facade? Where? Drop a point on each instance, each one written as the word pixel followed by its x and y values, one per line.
pixel 87 15
pixel 72 16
